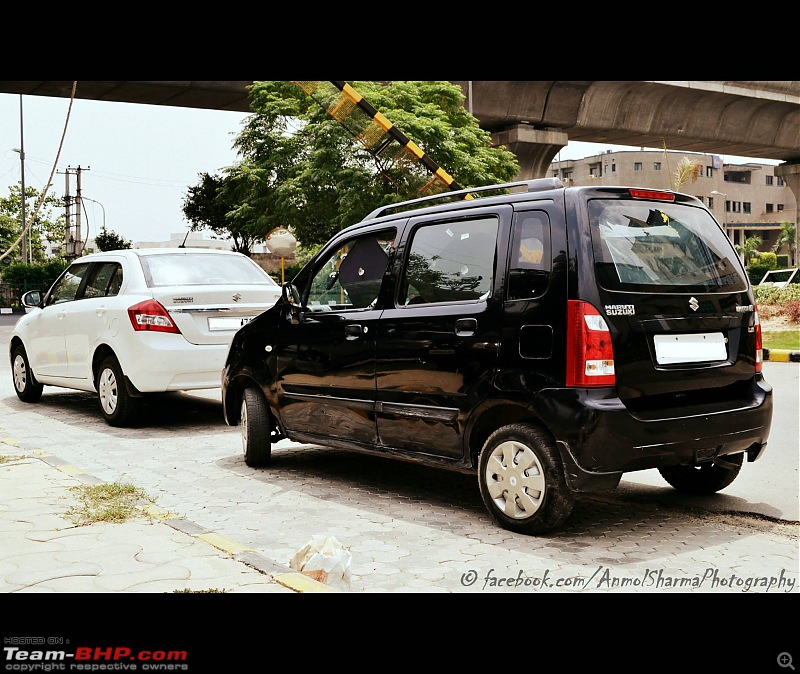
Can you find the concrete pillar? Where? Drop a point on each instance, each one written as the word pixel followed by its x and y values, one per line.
pixel 790 173
pixel 534 148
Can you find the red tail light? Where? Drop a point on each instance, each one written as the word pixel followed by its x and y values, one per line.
pixel 590 356
pixel 759 346
pixel 151 315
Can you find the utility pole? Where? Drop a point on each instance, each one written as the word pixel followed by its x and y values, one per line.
pixel 22 176
pixel 73 245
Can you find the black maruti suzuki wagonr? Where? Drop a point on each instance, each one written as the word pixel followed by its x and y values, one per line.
pixel 549 339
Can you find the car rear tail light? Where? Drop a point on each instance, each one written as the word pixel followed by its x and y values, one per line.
pixel 759 344
pixel 590 355
pixel 151 316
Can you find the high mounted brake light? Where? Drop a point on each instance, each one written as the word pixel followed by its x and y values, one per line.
pixel 651 194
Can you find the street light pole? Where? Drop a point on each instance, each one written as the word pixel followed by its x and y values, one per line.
pixel 724 208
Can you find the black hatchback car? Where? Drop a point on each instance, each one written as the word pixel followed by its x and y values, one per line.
pixel 548 339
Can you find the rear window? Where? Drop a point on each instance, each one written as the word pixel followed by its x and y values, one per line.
pixel 188 269
pixel 643 246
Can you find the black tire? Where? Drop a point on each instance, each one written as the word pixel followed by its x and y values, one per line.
pixel 522 481
pixel 707 478
pixel 116 405
pixel 28 389
pixel 256 428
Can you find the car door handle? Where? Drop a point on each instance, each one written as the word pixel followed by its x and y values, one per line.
pixel 466 327
pixel 353 331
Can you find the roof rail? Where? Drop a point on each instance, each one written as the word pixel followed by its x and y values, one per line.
pixel 536 185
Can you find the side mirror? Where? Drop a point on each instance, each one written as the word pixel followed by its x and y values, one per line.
pixel 291 298
pixel 32 298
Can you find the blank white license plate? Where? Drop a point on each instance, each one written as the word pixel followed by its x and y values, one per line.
pixel 708 346
pixel 228 323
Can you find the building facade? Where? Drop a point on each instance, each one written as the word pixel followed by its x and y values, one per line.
pixel 749 200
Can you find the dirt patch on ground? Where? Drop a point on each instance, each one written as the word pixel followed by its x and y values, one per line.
pixel 772 319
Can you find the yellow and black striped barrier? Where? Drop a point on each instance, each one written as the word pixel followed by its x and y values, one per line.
pixel 374 130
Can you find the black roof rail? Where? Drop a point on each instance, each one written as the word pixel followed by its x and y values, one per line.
pixel 535 185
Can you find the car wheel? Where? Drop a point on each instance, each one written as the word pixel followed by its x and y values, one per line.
pixel 117 407
pixel 707 478
pixel 28 389
pixel 522 480
pixel 256 428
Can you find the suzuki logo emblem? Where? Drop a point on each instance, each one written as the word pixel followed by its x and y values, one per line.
pixel 694 304
pixel 237 297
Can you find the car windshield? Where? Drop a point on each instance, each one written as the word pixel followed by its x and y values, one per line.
pixel 639 246
pixel 205 269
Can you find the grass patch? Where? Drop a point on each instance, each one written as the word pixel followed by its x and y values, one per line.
pixel 781 339
pixel 211 590
pixel 107 503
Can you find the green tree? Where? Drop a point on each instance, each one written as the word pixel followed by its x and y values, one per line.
pixel 302 169
pixel 110 240
pixel 787 238
pixel 213 203
pixel 749 249
pixel 44 224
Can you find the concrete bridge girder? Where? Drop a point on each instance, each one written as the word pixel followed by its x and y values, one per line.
pixel 534 148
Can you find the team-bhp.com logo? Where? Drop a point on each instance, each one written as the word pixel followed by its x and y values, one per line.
pixel 92 658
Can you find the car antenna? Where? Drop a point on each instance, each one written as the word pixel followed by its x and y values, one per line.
pixel 183 245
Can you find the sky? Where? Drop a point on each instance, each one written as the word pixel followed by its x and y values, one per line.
pixel 137 161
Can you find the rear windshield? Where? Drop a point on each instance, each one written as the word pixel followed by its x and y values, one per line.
pixel 643 246
pixel 203 269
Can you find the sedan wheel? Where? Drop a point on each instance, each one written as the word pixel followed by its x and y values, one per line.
pixel 28 389
pixel 116 406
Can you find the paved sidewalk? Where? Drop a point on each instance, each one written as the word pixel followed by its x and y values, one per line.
pixel 44 551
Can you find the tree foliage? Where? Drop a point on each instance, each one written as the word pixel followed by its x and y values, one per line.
pixel 212 204
pixel 33 276
pixel 47 225
pixel 749 249
pixel 299 168
pixel 687 170
pixel 787 238
pixel 110 240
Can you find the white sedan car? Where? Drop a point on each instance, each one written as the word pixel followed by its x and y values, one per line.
pixel 126 323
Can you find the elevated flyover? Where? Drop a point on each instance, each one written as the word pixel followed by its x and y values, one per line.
pixel 535 119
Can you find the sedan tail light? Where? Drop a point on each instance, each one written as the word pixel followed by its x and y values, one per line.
pixel 151 315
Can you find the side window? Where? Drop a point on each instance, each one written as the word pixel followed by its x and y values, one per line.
pixel 529 263
pixel 105 279
pixel 66 288
pixel 351 277
pixel 450 262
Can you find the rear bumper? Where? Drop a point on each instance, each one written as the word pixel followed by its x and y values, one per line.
pixel 600 439
pixel 165 362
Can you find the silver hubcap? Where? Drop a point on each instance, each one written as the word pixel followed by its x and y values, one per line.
pixel 515 480
pixel 20 373
pixel 107 389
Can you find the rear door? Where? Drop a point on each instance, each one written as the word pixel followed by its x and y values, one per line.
pixel 676 300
